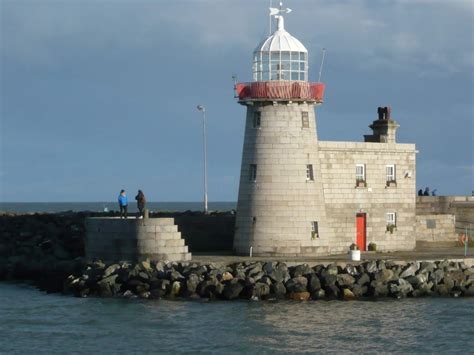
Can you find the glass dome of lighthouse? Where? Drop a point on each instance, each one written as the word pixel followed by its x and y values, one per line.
pixel 280 56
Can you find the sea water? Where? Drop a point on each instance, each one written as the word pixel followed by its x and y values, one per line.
pixel 52 207
pixel 35 322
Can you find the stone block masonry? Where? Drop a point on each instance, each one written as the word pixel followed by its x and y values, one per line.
pixel 113 239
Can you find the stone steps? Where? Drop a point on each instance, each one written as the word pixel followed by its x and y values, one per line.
pixel 114 239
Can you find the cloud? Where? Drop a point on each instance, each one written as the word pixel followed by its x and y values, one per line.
pixel 431 36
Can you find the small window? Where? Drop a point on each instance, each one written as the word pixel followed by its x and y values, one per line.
pixel 390 171
pixel 256 119
pixel 360 172
pixel 314 230
pixel 253 172
pixel 309 172
pixel 391 219
pixel 304 119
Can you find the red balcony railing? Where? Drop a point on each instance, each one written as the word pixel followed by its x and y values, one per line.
pixel 280 90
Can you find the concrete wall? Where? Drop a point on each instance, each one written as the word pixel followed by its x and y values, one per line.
pixel 344 200
pixel 114 239
pixel 436 228
pixel 462 207
pixel 275 212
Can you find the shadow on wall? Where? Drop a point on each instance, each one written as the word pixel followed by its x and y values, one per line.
pixel 204 233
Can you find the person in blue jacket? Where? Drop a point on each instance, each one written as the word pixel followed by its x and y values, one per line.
pixel 123 204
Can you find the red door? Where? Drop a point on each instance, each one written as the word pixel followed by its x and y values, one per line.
pixel 361 232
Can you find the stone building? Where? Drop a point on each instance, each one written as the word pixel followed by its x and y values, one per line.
pixel 302 196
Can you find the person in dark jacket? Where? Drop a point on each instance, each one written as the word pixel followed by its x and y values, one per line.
pixel 141 202
pixel 123 204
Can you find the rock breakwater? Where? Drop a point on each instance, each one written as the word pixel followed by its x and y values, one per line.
pixel 273 280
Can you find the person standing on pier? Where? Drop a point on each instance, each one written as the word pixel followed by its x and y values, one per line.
pixel 141 202
pixel 123 204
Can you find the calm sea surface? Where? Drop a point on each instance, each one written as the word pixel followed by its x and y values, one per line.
pixel 100 206
pixel 33 322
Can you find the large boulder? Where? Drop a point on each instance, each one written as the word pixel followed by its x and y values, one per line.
pixel 278 272
pixel 400 288
pixel 278 290
pixel 300 270
pixel 345 280
pixel 314 284
pixel 297 284
pixel 233 289
pixel 384 275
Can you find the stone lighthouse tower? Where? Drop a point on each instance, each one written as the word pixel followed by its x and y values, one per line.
pixel 281 209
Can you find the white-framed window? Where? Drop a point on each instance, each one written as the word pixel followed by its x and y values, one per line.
pixel 360 172
pixel 314 230
pixel 276 65
pixel 304 119
pixel 390 171
pixel 256 119
pixel 391 218
pixel 309 172
pixel 253 172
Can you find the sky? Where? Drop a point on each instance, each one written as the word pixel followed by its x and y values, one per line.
pixel 96 96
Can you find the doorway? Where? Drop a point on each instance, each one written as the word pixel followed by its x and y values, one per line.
pixel 361 231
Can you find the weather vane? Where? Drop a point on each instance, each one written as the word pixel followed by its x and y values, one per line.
pixel 276 12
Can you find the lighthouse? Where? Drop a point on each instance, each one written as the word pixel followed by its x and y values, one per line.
pixel 281 208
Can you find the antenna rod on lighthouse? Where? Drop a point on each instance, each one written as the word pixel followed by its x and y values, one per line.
pixel 270 20
pixel 322 63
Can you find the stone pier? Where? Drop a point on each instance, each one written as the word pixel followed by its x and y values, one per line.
pixel 114 239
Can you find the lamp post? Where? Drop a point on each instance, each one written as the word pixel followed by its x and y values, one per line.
pixel 203 110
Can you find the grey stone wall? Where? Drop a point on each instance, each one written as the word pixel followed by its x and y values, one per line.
pixel 462 207
pixel 114 239
pixel 436 228
pixel 275 212
pixel 344 199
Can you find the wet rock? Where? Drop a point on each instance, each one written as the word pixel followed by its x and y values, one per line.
pixel 364 279
pixel 441 290
pixel 233 289
pixel 107 287
pixel 297 284
pixel 111 269
pixel 227 276
pixel 299 296
pixel 348 294
pixel 358 291
pixel 400 288
pixel 328 280
pixel 371 267
pixel 417 280
pixel 384 275
pixel 261 290
pixel 174 275
pixel 379 289
pixel 344 280
pixel 409 270
pixel 175 289
pixel 351 270
pixel 318 295
pixel 278 272
pixel 300 270
pixel 192 283
pixel 278 290
pixel 314 284
pixel 209 288
pixel 332 291
pixel 437 276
